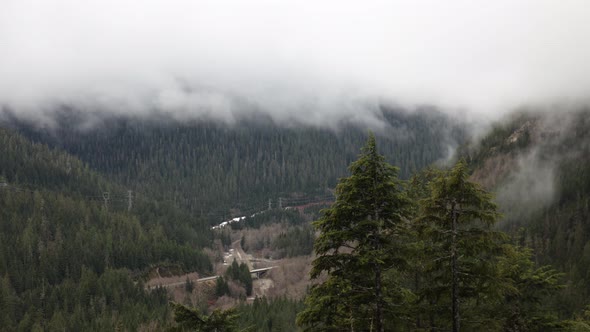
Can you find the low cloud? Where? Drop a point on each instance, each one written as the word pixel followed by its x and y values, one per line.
pixel 306 62
pixel 530 187
pixel 530 180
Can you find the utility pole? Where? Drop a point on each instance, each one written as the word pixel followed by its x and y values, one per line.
pixel 106 197
pixel 129 200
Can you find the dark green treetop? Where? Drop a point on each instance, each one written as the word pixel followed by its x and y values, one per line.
pixel 357 245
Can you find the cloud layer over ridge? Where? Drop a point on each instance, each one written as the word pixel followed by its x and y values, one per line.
pixel 306 60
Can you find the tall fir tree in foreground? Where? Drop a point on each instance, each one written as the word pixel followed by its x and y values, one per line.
pixel 359 243
pixel 458 217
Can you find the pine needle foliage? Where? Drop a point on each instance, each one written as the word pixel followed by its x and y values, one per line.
pixel 359 243
pixel 190 319
pixel 458 217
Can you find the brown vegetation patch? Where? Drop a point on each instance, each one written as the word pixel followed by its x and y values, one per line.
pixel 494 170
pixel 291 277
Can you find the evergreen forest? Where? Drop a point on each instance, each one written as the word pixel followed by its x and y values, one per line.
pixel 408 239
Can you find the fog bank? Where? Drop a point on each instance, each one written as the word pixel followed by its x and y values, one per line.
pixel 312 61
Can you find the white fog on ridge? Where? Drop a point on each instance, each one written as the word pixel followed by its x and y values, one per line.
pixel 311 62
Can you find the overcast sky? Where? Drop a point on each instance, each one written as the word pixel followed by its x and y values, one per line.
pixel 307 59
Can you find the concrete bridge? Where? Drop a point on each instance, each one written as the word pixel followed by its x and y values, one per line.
pixel 257 273
pixel 261 272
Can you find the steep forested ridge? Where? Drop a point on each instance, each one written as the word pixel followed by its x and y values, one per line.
pixel 210 167
pixel 539 165
pixel 67 261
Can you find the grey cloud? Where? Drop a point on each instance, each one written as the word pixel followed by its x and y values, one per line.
pixel 306 62
pixel 530 187
pixel 556 140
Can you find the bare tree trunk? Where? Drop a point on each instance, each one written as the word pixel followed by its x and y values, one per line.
pixel 416 288
pixel 378 286
pixel 432 324
pixel 377 245
pixel 378 295
pixel 454 271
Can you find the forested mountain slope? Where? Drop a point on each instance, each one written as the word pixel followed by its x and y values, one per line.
pixel 539 166
pixel 67 262
pixel 210 167
pixel 70 261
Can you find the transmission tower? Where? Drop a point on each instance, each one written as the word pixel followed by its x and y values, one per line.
pixel 129 200
pixel 106 197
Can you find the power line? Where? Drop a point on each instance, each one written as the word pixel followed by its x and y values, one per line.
pixel 109 199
